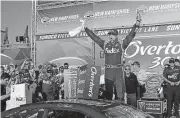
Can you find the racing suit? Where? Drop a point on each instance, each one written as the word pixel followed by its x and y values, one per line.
pixel 113 65
pixel 172 91
pixel 48 88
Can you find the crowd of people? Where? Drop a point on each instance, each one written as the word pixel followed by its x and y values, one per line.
pixel 45 82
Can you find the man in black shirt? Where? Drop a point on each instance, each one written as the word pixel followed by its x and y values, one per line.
pixel 131 83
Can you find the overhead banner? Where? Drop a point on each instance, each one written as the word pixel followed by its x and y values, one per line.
pixel 61 19
pixel 107 14
pixel 121 31
pixel 156 44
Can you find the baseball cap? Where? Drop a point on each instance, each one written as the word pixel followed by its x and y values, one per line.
pixel 113 32
pixel 11 64
pixel 171 60
pixel 49 70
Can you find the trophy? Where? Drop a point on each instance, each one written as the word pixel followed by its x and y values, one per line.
pixel 152 85
pixel 140 11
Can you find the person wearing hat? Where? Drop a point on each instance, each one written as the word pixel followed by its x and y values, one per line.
pixel 114 50
pixel 171 75
pixel 48 85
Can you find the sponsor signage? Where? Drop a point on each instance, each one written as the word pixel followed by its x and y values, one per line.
pixel 82 73
pixel 82 83
pixel 20 99
pixel 121 31
pixel 91 90
pixel 155 107
pixel 70 82
pixel 106 15
pixel 156 50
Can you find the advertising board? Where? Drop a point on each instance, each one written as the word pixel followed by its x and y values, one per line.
pixel 107 14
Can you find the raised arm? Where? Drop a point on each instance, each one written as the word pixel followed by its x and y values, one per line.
pixel 129 37
pixel 94 37
pixel 132 34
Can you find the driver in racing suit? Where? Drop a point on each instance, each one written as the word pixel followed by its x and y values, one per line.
pixel 114 50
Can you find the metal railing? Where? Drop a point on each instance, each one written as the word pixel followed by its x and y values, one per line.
pixel 12 46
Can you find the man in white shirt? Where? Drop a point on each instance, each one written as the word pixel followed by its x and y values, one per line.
pixel 141 77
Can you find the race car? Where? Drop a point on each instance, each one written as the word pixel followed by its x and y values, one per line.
pixel 75 108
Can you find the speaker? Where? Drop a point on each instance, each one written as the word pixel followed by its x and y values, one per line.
pixel 20 39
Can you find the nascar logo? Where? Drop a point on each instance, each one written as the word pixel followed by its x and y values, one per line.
pixel 141 105
pixel 45 20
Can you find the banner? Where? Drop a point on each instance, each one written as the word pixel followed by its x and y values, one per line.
pixel 91 90
pixel 155 107
pixel 82 73
pixel 61 19
pixel 153 52
pixel 70 83
pixel 156 47
pixel 106 14
pixel 121 31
